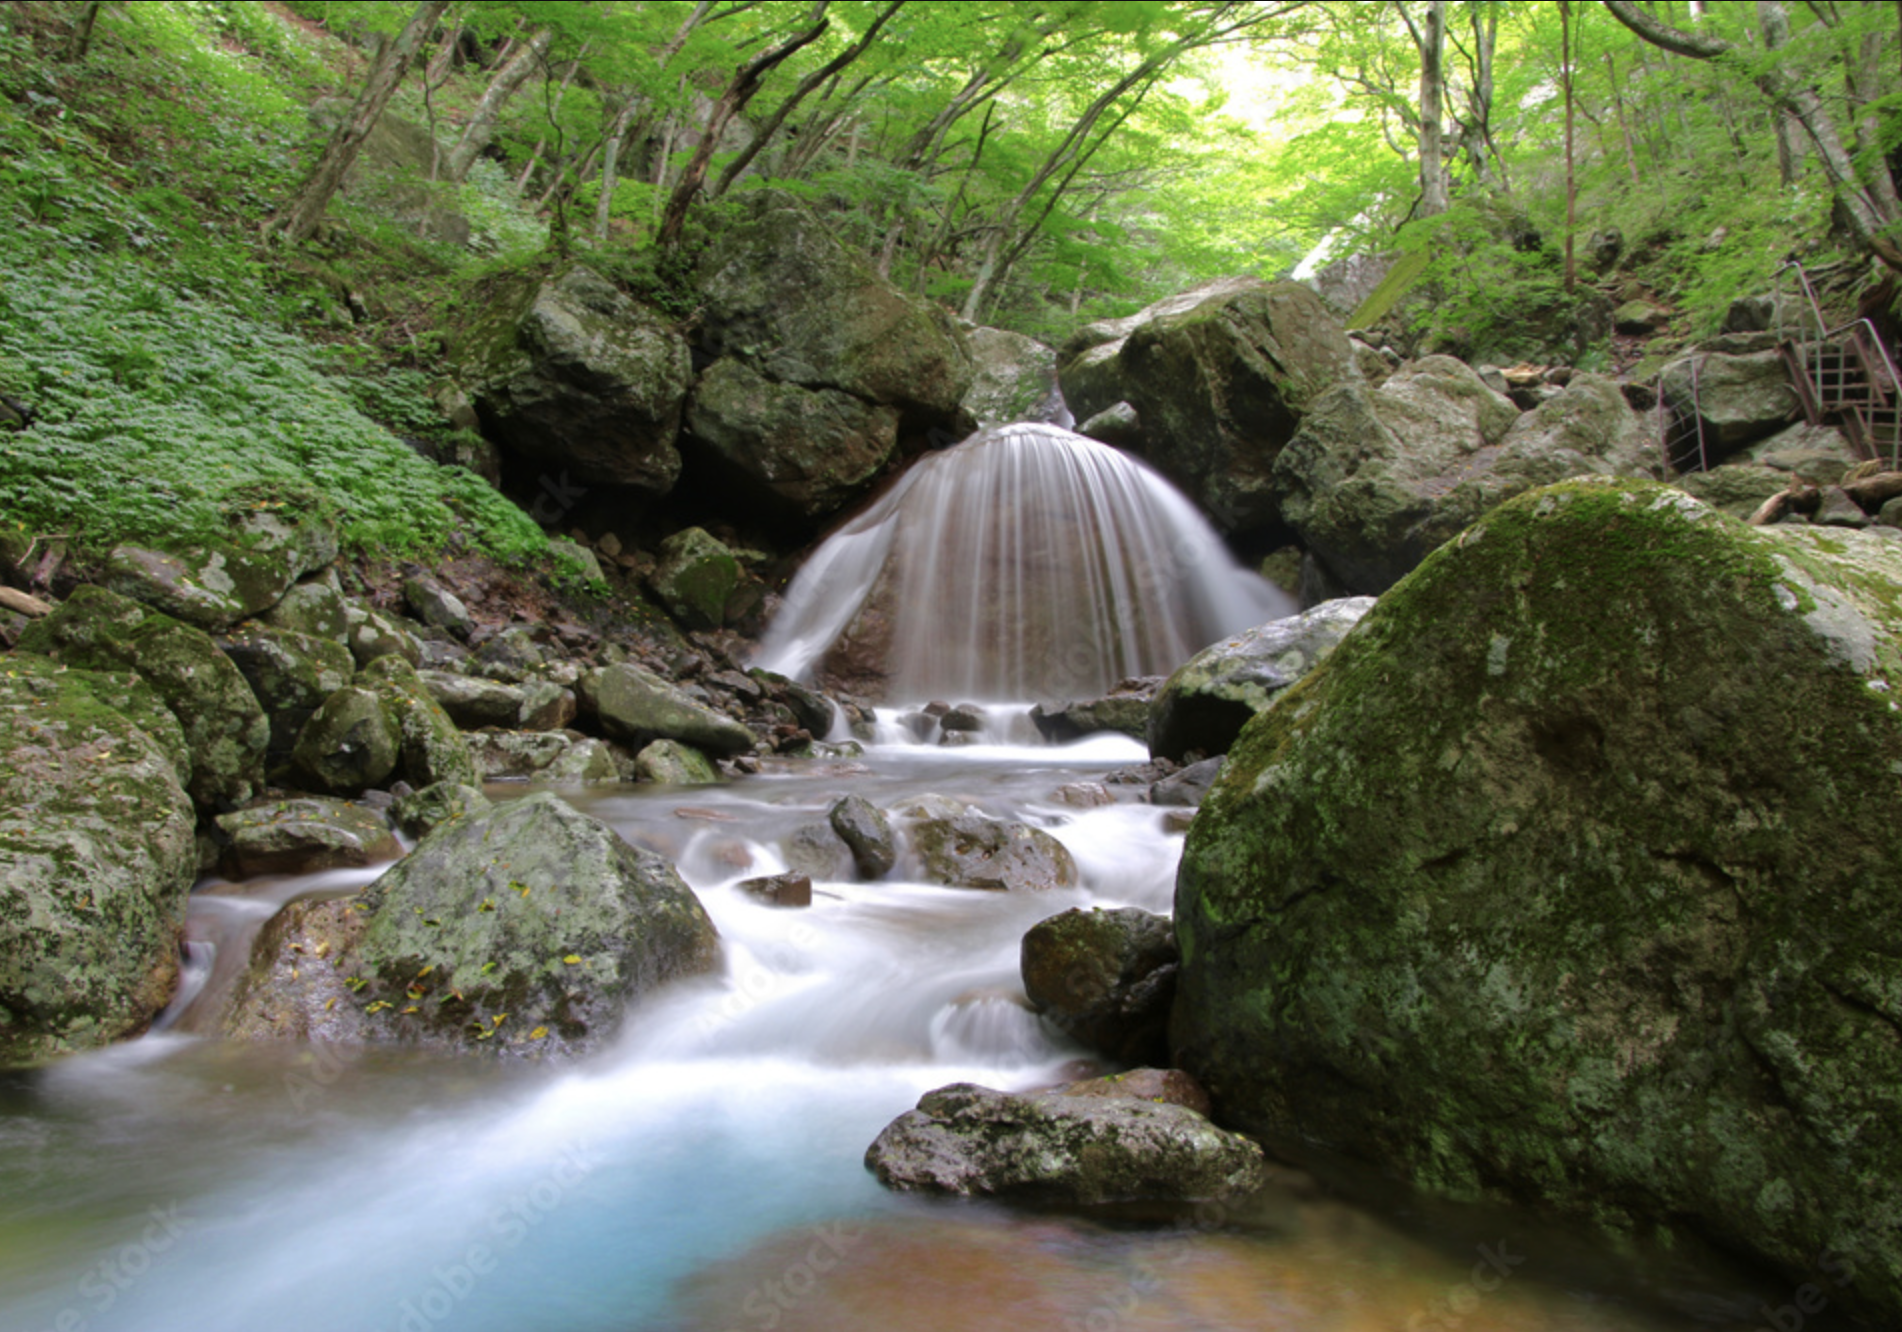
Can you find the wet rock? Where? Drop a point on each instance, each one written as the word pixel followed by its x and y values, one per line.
pixel 1047 1147
pixel 1205 704
pixel 786 890
pixel 96 859
pixel 960 846
pixel 556 756
pixel 348 744
pixel 790 451
pixel 963 717
pixel 1117 426
pixel 867 833
pixel 1669 741
pixel 1084 795
pixel 291 674
pixel 303 835
pixel 1185 789
pixel 214 585
pixel 639 707
pixel 430 748
pixel 420 813
pixel 1170 1085
pixel 1105 977
pixel 1177 820
pixel 694 578
pixel 675 764
pixel 472 702
pixel 511 657
pixel 570 559
pixel 525 930
pixel 1124 709
pixel 1016 379
pixel 571 375
pixel 225 730
pixel 817 851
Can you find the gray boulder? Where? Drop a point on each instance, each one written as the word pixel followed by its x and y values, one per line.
pixel 1205 704
pixel 674 764
pixel 1737 399
pixel 1016 379
pixel 1047 1147
pixel 694 576
pixel 96 859
pixel 291 674
pixel 639 707
pixel 1105 977
pixel 867 833
pixel 569 373
pixel 524 930
pixel 429 747
pixel 1125 709
pixel 1377 478
pixel 214 585
pixel 225 730
pixel 303 835
pixel 315 607
pixel 566 757
pixel 472 702
pixel 789 451
pixel 1573 882
pixel 779 291
pixel 960 846
pixel 349 744
pixel 419 813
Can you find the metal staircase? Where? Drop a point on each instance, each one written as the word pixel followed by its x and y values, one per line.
pixel 1843 376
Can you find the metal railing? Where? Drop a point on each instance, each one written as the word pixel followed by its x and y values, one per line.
pixel 1820 362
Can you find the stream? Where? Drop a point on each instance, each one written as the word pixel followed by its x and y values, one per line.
pixel 704 1175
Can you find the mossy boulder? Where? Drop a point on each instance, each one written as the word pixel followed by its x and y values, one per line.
pixel 1051 1147
pixel 291 674
pixel 1571 878
pixel 638 707
pixel 789 452
pixel 525 929
pixel 780 292
pixel 96 858
pixel 224 727
pixel 694 577
pixel 420 813
pixel 672 763
pixel 960 846
pixel 213 585
pixel 315 607
pixel 1220 388
pixel 303 835
pixel 349 744
pixel 1376 478
pixel 570 374
pixel 429 747
pixel 1016 379
pixel 1211 696
pixel 1105 977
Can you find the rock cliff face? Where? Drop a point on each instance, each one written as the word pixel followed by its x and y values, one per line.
pixel 1570 877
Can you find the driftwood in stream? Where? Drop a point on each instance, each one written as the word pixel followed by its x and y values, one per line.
pixel 1799 498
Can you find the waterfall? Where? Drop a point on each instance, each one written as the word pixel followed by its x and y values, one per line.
pixel 1026 562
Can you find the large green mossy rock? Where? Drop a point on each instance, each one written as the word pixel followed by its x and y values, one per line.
pixel 215 584
pixel 96 858
pixel 779 291
pixel 569 373
pixel 694 577
pixel 525 929
pixel 638 707
pixel 1573 877
pixel 224 727
pixel 789 451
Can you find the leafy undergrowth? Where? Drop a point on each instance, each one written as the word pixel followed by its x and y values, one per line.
pixel 151 337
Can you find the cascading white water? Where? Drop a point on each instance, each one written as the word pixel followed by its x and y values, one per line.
pixel 1027 562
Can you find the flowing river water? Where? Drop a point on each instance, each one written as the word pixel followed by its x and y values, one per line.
pixel 705 1174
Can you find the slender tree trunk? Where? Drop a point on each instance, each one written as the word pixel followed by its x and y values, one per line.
pixel 799 93
pixel 80 42
pixel 745 83
pixel 1431 40
pixel 508 80
pixel 1624 122
pixel 299 220
pixel 554 110
pixel 1571 181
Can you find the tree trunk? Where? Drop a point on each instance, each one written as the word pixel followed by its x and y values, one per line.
pixel 1866 214
pixel 299 221
pixel 745 83
pixel 1571 180
pixel 553 109
pixel 81 40
pixel 508 79
pixel 1430 38
pixel 798 95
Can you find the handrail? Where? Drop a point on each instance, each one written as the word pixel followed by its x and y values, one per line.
pixel 1697 416
pixel 1858 335
pixel 1809 294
